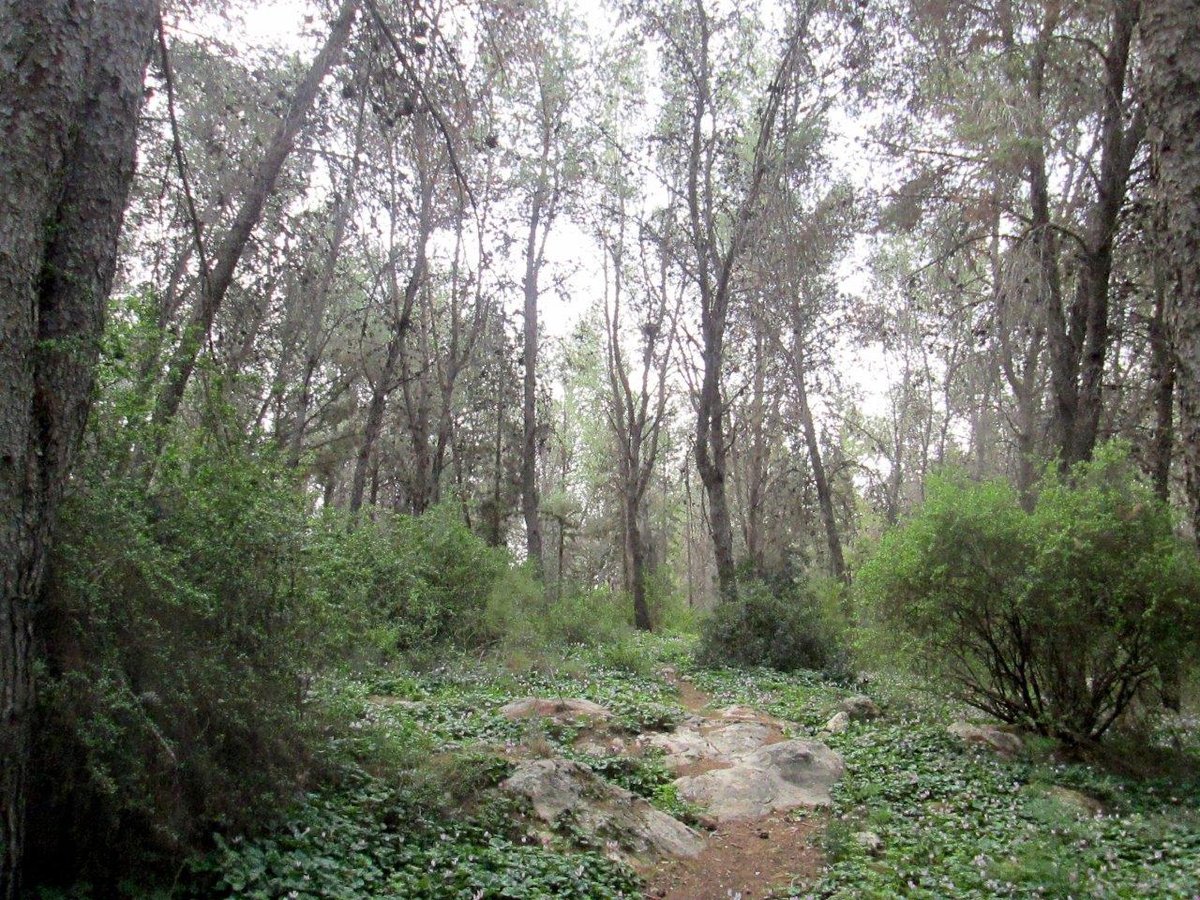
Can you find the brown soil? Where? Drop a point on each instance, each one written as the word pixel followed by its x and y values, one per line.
pixel 692 698
pixel 745 859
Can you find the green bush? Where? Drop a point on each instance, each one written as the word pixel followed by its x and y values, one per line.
pixel 407 583
pixel 174 652
pixel 1054 619
pixel 780 625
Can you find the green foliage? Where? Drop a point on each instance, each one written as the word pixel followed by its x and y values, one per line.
pixel 519 615
pixel 374 839
pixel 964 823
pixel 1052 619
pixel 781 625
pixel 408 583
pixel 175 650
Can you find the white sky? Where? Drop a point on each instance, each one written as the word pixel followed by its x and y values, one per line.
pixel 288 25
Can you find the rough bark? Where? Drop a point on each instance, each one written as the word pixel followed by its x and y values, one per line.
pixel 1077 338
pixel 71 76
pixel 1171 39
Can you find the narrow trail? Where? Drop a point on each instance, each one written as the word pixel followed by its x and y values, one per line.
pixel 745 858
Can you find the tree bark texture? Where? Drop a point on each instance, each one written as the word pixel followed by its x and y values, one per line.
pixel 1171 37
pixel 71 75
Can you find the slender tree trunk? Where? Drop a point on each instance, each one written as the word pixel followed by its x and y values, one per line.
pixel 529 486
pixel 1171 37
pixel 374 422
pixel 215 284
pixel 71 75
pixel 1118 146
pixel 837 562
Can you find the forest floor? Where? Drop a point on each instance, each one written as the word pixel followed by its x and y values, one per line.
pixel 422 815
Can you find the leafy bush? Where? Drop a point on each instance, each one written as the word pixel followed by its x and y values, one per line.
pixel 781 626
pixel 406 582
pixel 520 616
pixel 174 652
pixel 1053 619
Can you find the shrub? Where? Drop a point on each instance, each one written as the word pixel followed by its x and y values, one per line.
pixel 174 647
pixel 407 583
pixel 779 625
pixel 1053 619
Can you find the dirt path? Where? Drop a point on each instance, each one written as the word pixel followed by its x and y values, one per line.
pixel 742 859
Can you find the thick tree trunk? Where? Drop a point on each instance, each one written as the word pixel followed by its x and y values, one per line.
pixel 1162 377
pixel 71 76
pixel 1171 37
pixel 216 283
pixel 635 549
pixel 711 455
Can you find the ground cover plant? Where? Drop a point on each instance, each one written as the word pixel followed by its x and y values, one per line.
pixel 952 821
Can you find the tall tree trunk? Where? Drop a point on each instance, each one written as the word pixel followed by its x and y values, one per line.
pixel 1162 377
pixel 71 75
pixel 635 548
pixel 1118 146
pixel 1171 37
pixel 837 562
pixel 215 284
pixel 529 486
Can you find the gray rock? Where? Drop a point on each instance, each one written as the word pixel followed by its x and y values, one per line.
pixel 869 841
pixel 709 739
pixel 1002 742
pixel 838 723
pixel 565 711
pixel 860 708
pixel 629 828
pixel 774 778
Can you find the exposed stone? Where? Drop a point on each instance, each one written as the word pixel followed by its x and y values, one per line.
pixel 630 829
pixel 860 708
pixel 774 778
pixel 869 841
pixel 741 713
pixel 708 739
pixel 838 723
pixel 565 711
pixel 1002 742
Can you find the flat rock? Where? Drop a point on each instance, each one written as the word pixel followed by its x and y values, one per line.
pixel 562 710
pixel 741 713
pixel 774 778
pixel 627 826
pixel 711 740
pixel 1002 742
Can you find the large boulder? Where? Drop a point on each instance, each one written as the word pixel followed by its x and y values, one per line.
pixel 1002 742
pixel 626 826
pixel 774 778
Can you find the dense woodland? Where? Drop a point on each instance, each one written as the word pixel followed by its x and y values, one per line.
pixel 459 351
